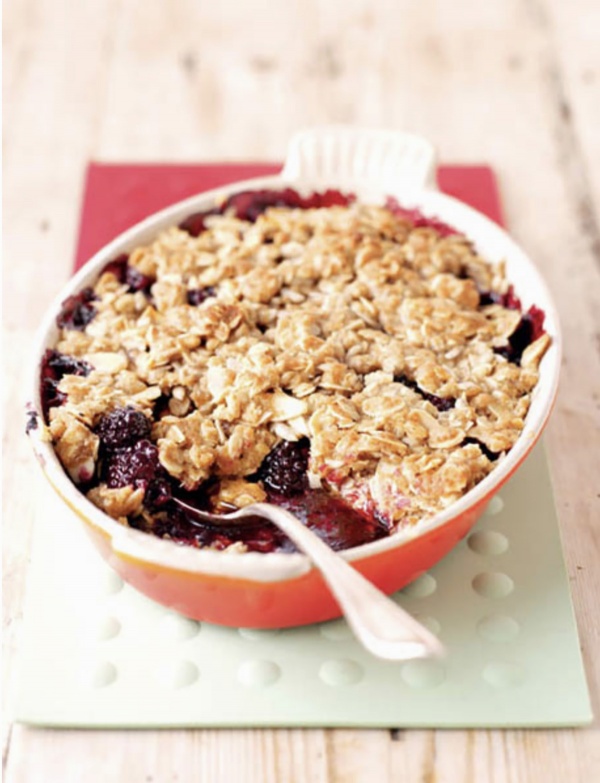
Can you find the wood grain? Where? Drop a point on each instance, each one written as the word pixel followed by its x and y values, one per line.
pixel 510 82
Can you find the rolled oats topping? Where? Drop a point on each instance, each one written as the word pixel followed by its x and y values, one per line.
pixel 278 347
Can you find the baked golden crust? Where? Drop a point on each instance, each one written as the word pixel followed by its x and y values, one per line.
pixel 342 324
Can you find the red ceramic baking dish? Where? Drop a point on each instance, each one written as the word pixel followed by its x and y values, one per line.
pixel 283 589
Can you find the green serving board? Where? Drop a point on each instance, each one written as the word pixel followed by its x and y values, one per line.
pixel 95 653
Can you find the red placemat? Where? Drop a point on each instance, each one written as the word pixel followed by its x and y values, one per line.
pixel 119 195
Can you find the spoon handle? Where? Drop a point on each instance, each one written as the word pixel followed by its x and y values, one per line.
pixel 381 625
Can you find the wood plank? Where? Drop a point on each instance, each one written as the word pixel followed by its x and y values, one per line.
pixel 46 141
pixel 575 34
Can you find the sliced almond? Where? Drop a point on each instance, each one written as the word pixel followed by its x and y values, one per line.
pixel 105 361
pixel 285 407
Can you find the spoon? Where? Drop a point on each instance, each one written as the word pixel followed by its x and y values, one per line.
pixel 382 627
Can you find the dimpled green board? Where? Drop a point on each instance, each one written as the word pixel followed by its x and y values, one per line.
pixel 95 653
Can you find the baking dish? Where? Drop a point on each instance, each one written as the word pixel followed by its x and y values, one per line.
pixel 276 589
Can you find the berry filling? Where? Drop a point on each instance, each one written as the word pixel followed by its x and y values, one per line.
pixel 330 518
pixel 129 458
pixel 175 525
pixel 77 310
pixel 127 274
pixel 249 204
pixel 491 455
pixel 418 219
pixel 334 521
pixel 283 476
pixel 195 224
pixel 196 296
pixel 55 366
pixel 529 328
pixel 509 300
pixel 441 403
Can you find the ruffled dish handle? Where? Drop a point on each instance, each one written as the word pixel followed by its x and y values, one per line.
pixel 344 156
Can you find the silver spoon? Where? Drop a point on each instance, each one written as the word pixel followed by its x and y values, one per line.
pixel 383 627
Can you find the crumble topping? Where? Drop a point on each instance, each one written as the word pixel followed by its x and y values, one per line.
pixel 394 348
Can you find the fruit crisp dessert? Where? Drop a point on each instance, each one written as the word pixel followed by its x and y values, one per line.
pixel 361 366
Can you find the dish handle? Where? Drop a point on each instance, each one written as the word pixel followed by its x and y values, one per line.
pixel 344 156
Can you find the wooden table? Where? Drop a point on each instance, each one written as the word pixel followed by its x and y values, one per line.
pixel 509 82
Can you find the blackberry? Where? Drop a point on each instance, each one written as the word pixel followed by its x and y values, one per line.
pixel 138 466
pixel 122 427
pixel 284 469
